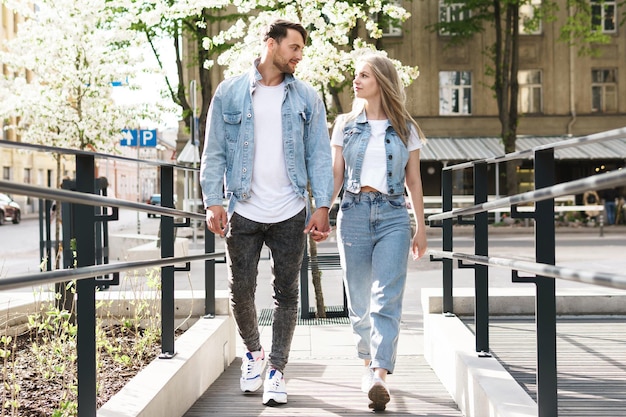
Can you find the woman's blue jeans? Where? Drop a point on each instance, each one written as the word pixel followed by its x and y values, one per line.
pixel 285 241
pixel 374 234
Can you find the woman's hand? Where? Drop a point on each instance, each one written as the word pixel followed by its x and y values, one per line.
pixel 419 244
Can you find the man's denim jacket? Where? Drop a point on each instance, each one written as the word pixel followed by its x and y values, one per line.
pixel 356 135
pixel 226 168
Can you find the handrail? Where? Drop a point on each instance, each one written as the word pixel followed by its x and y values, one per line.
pixel 85 212
pixel 61 275
pixel 598 182
pixel 92 199
pixel 605 279
pixel 544 269
pixel 75 152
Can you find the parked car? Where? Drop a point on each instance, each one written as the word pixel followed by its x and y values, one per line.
pixel 155 200
pixel 9 210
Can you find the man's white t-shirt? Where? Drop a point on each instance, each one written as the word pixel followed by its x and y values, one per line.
pixel 374 169
pixel 272 198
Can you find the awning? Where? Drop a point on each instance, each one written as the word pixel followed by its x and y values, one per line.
pixel 469 149
pixel 189 154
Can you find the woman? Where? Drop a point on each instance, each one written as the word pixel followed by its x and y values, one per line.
pixel 375 155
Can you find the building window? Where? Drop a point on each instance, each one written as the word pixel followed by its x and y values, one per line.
pixel 604 90
pixel 6 173
pixel 27 176
pixel 451 13
pixel 455 93
pixel 527 24
pixel 603 15
pixel 391 28
pixel 529 100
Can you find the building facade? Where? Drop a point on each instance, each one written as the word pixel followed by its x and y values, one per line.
pixel 562 93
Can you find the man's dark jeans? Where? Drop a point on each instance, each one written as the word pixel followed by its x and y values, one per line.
pixel 244 242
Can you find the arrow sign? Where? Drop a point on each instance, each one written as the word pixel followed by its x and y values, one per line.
pixel 147 138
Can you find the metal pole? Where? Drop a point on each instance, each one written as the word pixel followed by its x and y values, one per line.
pixel 545 243
pixel 446 180
pixel 167 272
pixel 497 214
pixel 138 181
pixel 481 272
pixel 209 274
pixel 194 138
pixel 85 291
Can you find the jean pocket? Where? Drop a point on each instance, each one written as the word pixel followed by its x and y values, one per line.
pixel 397 202
pixel 347 203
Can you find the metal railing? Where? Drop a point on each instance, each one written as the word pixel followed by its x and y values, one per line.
pixel 544 269
pixel 89 210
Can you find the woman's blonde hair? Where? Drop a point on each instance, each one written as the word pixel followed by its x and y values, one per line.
pixel 393 96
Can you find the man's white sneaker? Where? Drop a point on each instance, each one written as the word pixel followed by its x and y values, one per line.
pixel 378 394
pixel 274 390
pixel 252 368
pixel 366 379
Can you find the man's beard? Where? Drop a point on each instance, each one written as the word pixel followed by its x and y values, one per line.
pixel 283 65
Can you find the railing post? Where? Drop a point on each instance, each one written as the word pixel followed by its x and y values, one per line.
pixel 209 274
pixel 85 290
pixel 167 272
pixel 545 243
pixel 446 205
pixel 481 272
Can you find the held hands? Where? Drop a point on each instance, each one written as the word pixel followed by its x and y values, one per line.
pixel 319 225
pixel 217 220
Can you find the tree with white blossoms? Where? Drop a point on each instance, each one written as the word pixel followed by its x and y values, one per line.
pixel 226 36
pixel 61 67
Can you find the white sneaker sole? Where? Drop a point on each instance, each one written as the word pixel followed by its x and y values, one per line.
pixel 251 385
pixel 275 398
pixel 379 397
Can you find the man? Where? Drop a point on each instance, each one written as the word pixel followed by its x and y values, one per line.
pixel 266 139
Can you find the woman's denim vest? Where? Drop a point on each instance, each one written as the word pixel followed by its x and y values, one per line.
pixel 356 135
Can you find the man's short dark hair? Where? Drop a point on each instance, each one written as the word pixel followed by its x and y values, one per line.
pixel 277 30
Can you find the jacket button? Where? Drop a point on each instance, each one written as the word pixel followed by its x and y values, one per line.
pixel 245 170
pixel 248 115
pixel 389 174
pixel 391 191
pixel 390 157
pixel 388 141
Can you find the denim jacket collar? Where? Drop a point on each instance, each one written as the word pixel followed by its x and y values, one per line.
pixel 362 117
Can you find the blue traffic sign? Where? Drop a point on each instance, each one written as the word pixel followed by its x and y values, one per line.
pixel 147 138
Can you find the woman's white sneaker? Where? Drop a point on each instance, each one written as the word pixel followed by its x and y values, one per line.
pixel 378 394
pixel 366 379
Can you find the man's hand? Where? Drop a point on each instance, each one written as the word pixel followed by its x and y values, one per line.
pixel 217 220
pixel 319 225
